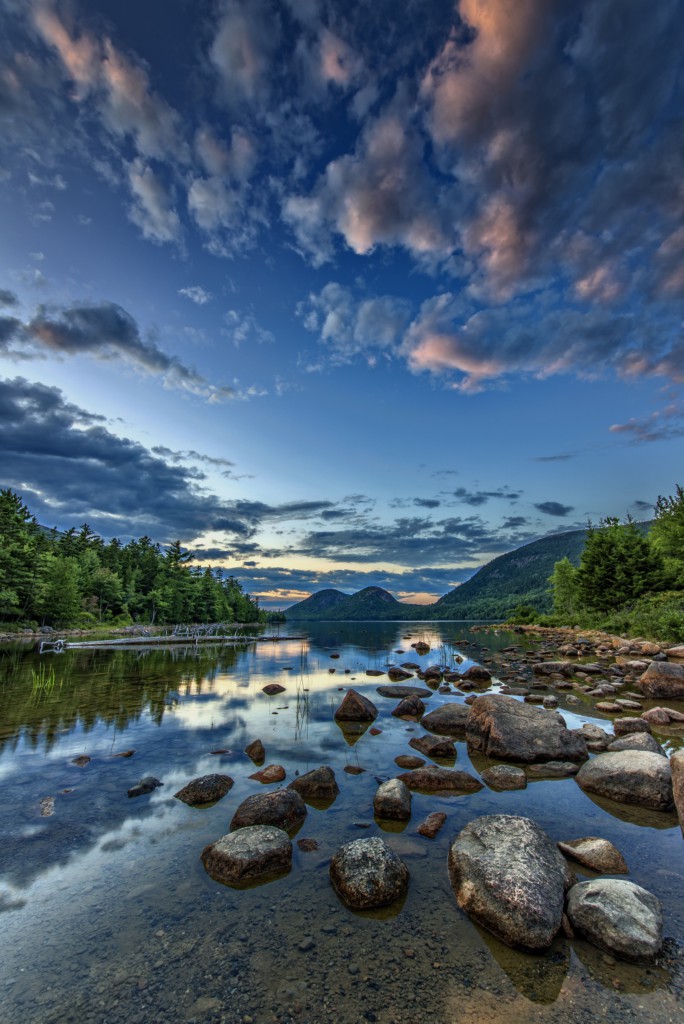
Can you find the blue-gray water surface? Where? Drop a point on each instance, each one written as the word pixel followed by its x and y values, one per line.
pixel 107 915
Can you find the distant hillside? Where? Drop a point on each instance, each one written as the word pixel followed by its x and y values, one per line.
pixel 518 577
pixel 369 603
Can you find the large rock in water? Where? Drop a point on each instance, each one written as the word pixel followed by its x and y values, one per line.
pixel 508 875
pixel 502 727
pixel 356 708
pixel 447 720
pixel 392 801
pixel 433 779
pixel 318 784
pixel 677 769
pixel 283 809
pixel 595 854
pixel 618 916
pixel 205 790
pixel 248 854
pixel 630 777
pixel 661 679
pixel 366 873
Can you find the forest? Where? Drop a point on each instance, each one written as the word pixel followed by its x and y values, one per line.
pixel 75 579
pixel 627 581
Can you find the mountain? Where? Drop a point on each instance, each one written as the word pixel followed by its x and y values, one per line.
pixel 320 605
pixel 366 604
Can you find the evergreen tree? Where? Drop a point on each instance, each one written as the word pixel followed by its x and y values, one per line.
pixel 617 565
pixel 667 534
pixel 565 588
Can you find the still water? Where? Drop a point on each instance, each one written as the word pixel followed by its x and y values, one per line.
pixel 106 912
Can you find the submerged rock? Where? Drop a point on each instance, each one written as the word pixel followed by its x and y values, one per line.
pixel 207 789
pixel 271 773
pixel 433 779
pixel 502 727
pixel 432 824
pixel 595 854
pixel 434 746
pixel 271 689
pixel 318 784
pixel 618 916
pixel 145 785
pixel 508 875
pixel 366 873
pixel 407 761
pixel 248 854
pixel 356 708
pixel 403 691
pixel 554 769
pixel 504 776
pixel 283 808
pixel 630 777
pixel 392 801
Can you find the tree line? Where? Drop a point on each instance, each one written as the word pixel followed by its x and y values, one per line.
pixel 74 578
pixel 629 580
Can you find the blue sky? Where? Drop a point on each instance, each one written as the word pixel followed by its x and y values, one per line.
pixel 341 294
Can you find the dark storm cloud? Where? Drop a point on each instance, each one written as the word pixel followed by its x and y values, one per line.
pixel 70 467
pixel 8 298
pixel 411 541
pixel 427 502
pixel 554 508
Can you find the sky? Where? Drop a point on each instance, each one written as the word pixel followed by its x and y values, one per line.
pixel 341 294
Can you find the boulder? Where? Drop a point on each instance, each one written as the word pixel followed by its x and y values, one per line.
pixel 392 801
pixel 318 784
pixel 504 776
pixel 404 691
pixel 595 854
pixel 630 777
pixel 248 854
pixel 205 790
pixel 407 761
pixel 477 674
pixel 434 746
pixel 662 679
pixel 433 779
pixel 432 824
pixel 552 668
pixel 356 708
pixel 502 727
pixel 595 737
pixel 271 773
pixel 675 652
pixel 366 873
pixel 637 741
pixel 656 716
pixel 255 752
pixel 447 720
pixel 396 674
pixel 508 875
pixel 283 808
pixel 627 726
pixel 409 707
pixel 618 916
pixel 677 768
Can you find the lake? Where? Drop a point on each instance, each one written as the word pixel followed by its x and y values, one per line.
pixel 107 914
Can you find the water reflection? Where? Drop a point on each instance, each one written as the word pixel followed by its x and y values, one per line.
pixel 121 880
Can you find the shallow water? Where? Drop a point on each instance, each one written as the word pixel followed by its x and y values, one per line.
pixel 109 916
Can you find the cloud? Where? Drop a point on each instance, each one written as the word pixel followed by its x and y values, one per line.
pixel 152 210
pixel 643 506
pixel 661 425
pixel 104 331
pixel 196 294
pixel 70 467
pixel 476 498
pixel 554 508
pixel 242 328
pixel 347 326
pixel 427 502
pixel 243 47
